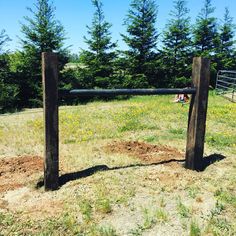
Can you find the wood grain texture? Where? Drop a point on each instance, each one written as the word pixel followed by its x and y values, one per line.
pixel 197 114
pixel 50 102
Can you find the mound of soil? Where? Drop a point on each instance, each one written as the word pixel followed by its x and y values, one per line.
pixel 16 172
pixel 147 153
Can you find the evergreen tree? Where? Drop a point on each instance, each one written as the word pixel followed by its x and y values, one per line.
pixel 177 45
pixel 8 88
pixel 141 38
pixel 205 31
pixel 99 57
pixel 42 33
pixel 226 50
pixel 3 40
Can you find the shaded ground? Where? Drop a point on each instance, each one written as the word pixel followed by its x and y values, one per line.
pixel 16 172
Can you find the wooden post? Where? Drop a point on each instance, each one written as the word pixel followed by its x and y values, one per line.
pixel 197 114
pixel 50 103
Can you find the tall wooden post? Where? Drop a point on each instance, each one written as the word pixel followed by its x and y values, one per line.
pixel 50 103
pixel 197 114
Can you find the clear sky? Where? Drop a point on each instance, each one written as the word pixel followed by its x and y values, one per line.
pixel 76 14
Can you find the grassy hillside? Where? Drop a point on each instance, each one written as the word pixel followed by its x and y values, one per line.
pixel 127 160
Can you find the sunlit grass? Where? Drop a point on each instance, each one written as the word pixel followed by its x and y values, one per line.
pixel 93 202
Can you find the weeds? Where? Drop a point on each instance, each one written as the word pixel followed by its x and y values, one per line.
pixel 103 205
pixel 194 229
pixel 221 139
pixel 149 219
pixel 162 201
pixel 137 231
pixel 192 191
pixel 161 215
pixel 219 227
pixel 226 197
pixel 219 207
pixel 86 210
pixel 6 219
pixel 183 211
pixel 105 231
pixel 85 130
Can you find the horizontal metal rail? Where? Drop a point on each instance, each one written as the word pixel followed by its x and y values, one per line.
pixel 116 92
pixel 227 71
pixel 225 82
pixel 227 88
pixel 226 77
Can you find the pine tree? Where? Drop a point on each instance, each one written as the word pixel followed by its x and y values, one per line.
pixel 141 36
pixel 42 33
pixel 226 50
pixel 4 38
pixel 100 55
pixel 205 31
pixel 177 45
pixel 8 88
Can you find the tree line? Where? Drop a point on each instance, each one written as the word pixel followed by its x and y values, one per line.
pixel 153 59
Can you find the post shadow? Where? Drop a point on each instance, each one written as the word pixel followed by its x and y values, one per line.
pixel 65 178
pixel 209 160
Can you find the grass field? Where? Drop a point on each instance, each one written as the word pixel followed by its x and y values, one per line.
pixel 127 159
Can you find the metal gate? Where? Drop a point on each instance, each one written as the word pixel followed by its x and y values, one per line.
pixel 226 84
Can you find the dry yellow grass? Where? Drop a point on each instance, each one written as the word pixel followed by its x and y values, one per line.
pixel 126 196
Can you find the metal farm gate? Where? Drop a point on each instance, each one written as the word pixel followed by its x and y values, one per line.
pixel 226 84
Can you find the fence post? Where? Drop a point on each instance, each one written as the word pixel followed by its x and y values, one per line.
pixel 50 103
pixel 197 114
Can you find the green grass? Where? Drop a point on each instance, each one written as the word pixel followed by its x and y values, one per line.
pixel 182 209
pixel 194 229
pixel 126 201
pixel 161 215
pixel 86 210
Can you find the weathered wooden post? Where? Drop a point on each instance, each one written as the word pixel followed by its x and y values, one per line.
pixel 197 114
pixel 50 103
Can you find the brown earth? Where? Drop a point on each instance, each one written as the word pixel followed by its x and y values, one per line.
pixel 16 172
pixel 147 153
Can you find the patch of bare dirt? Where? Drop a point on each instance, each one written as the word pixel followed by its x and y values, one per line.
pixel 147 153
pixel 16 172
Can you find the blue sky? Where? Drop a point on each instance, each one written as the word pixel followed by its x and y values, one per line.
pixel 76 14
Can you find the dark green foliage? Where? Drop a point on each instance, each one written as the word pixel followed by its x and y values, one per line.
pixel 26 66
pixel 141 38
pixel 226 49
pixel 177 46
pixel 75 78
pixel 101 65
pixel 42 33
pixel 79 78
pixel 99 57
pixel 205 32
pixel 206 37
pixel 135 81
pixel 8 89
